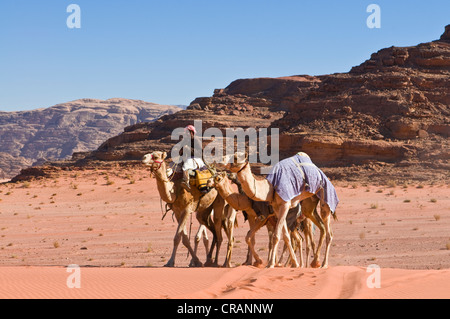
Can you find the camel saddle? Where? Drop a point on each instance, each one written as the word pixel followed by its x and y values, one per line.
pixel 200 179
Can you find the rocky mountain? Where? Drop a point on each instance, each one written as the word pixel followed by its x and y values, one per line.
pixel 386 119
pixel 57 132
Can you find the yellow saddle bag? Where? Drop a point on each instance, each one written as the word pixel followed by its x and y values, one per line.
pixel 201 178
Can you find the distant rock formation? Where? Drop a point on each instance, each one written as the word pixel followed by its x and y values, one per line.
pixel 388 118
pixel 57 132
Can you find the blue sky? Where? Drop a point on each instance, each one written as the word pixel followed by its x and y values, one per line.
pixel 171 52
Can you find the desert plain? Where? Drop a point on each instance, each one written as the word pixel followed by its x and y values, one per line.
pixel 109 223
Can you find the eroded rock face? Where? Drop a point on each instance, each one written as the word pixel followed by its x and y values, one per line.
pixel 446 35
pixel 59 131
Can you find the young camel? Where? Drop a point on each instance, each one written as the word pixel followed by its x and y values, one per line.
pixel 241 202
pixel 185 203
pixel 263 190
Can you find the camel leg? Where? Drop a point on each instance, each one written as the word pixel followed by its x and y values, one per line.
pixel 317 220
pixel 280 261
pixel 219 206
pixel 250 240
pixel 299 240
pixel 307 224
pixel 204 216
pixel 209 260
pixel 181 233
pixel 198 237
pixel 187 244
pixel 201 234
pixel 309 210
pixel 326 216
pixel 270 231
pixel 251 222
pixel 205 239
pixel 229 230
pixel 288 243
pixel 281 229
pixel 296 243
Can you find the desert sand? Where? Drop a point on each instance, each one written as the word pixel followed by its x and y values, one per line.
pixel 109 223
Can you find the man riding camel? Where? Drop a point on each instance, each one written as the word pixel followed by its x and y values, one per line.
pixel 191 159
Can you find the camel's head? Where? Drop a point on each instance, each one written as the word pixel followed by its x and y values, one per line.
pixel 217 180
pixel 233 162
pixel 220 177
pixel 154 158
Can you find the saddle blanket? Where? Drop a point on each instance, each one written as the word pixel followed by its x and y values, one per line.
pixel 294 175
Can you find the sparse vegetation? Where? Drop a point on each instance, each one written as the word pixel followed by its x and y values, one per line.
pixel 373 206
pixel 433 200
pixel 437 217
pixel 391 183
pixel 407 201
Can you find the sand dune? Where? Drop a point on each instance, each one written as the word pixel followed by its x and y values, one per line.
pixel 109 223
pixel 244 282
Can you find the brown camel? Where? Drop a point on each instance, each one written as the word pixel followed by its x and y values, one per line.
pixel 240 201
pixel 260 189
pixel 183 204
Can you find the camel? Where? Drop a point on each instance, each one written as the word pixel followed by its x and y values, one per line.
pixel 240 201
pixel 262 190
pixel 183 204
